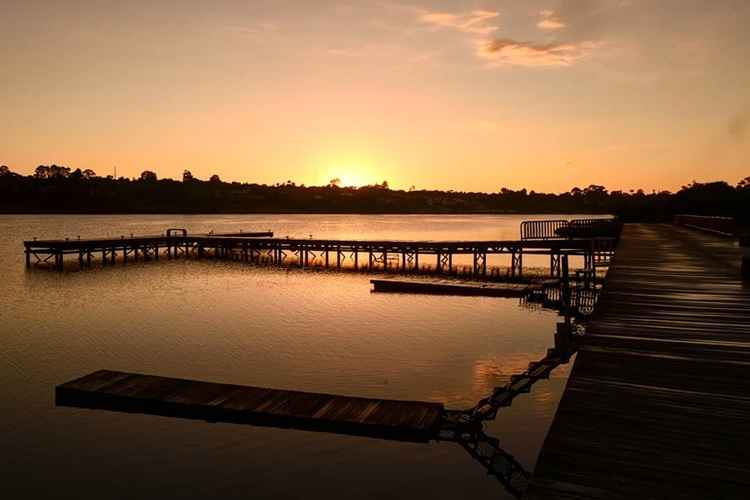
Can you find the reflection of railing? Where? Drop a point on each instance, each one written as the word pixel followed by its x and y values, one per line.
pixel 487 451
pixel 725 226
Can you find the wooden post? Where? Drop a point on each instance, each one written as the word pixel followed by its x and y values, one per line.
pixel 416 260
pixel 28 258
pixel 565 283
pixel 745 266
pixel 338 257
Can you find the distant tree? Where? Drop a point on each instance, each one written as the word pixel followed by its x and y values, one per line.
pixel 595 189
pixel 88 174
pixel 148 176
pixel 576 191
pixel 334 183
pixel 383 185
pixel 744 183
pixel 58 171
pixel 4 170
pixel 187 176
pixel 215 179
pixel 42 172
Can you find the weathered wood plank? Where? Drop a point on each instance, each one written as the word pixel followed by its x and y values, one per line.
pixel 658 401
pixel 121 391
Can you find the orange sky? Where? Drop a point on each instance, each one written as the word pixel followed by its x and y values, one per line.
pixel 454 95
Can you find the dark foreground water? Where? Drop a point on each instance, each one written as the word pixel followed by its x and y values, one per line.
pixel 233 323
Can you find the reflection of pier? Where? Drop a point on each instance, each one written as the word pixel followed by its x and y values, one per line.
pixel 384 419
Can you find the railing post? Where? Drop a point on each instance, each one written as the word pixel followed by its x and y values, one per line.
pixel 745 246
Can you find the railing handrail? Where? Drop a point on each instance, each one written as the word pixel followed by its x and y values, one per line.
pixel 725 226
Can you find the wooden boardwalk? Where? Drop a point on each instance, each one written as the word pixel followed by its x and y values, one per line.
pixel 131 392
pixel 658 402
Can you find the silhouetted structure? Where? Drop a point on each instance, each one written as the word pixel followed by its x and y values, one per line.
pixel 60 190
pixel 401 256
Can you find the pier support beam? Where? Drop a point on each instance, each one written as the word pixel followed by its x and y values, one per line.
pixel 745 265
pixel 480 264
pixel 554 265
pixel 516 263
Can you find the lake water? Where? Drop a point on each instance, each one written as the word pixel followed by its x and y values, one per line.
pixel 235 323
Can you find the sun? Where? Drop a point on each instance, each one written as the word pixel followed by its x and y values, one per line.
pixel 348 176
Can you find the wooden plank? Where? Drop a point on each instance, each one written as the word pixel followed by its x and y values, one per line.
pixel 451 287
pixel 658 402
pixel 132 392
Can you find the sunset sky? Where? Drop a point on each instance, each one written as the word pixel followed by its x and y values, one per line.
pixel 453 95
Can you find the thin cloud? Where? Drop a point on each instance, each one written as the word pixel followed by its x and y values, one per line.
pixel 254 29
pixel 505 51
pixel 474 22
pixel 549 21
pixel 739 126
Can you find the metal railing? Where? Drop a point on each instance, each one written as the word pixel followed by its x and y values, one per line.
pixel 725 226
pixel 558 229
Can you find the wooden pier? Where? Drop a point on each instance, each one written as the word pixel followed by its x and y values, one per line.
pixel 452 287
pixel 400 256
pixel 658 401
pixel 131 392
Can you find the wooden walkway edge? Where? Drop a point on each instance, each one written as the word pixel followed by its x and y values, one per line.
pixel 658 402
pixel 137 393
pixel 452 287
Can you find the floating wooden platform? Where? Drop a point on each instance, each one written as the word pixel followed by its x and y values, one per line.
pixel 452 287
pixel 132 392
pixel 658 401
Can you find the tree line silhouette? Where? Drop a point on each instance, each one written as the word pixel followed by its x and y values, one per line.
pixel 59 189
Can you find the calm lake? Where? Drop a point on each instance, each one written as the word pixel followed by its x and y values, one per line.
pixel 234 323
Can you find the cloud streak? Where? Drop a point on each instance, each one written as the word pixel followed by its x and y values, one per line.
pixel 508 52
pixel 549 21
pixel 496 51
pixel 474 22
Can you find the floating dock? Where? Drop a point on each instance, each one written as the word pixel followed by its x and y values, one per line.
pixel 132 392
pixel 658 401
pixel 452 287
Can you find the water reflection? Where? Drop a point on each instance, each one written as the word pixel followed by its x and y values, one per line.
pixel 313 331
